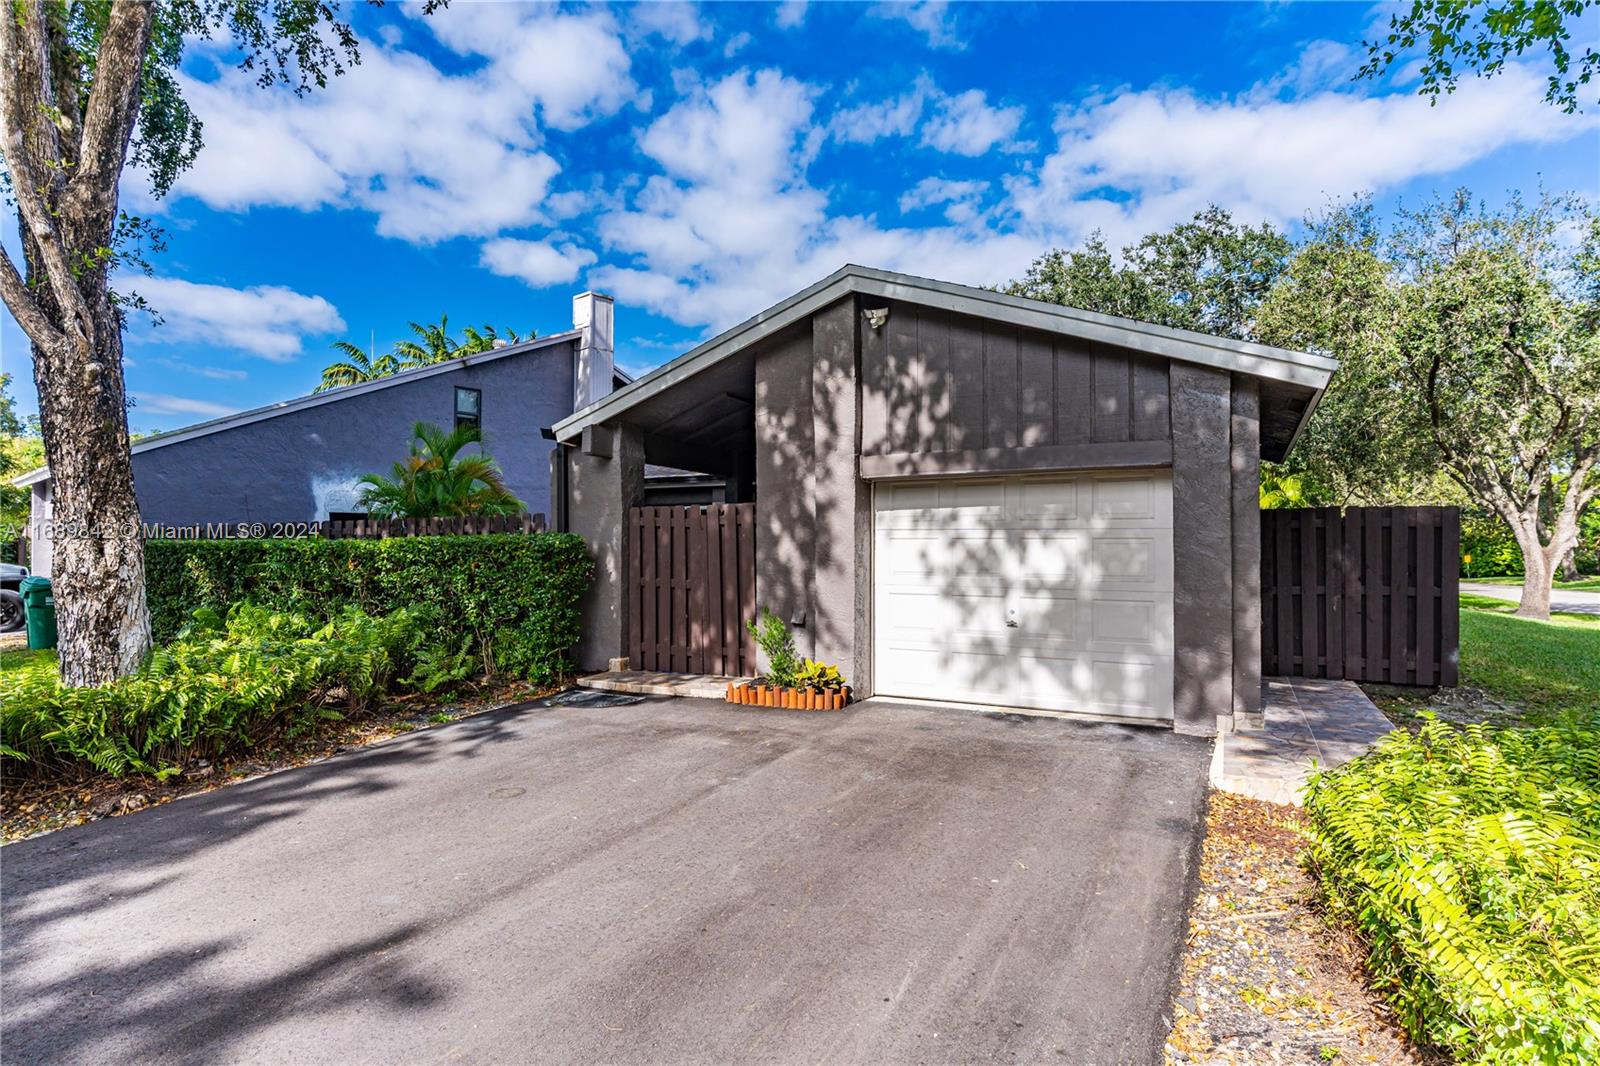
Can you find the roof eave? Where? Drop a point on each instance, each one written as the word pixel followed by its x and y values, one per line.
pixel 1299 368
pixel 317 399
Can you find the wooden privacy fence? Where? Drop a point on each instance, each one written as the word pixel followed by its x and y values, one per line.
pixel 1369 594
pixel 692 574
pixel 466 526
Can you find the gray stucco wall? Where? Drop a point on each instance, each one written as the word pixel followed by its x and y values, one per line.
pixel 1245 433
pixel 786 496
pixel 600 489
pixel 1202 527
pixel 298 466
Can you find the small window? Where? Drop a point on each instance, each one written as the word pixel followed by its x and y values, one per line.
pixel 469 407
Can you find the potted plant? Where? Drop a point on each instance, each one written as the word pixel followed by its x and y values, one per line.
pixel 790 682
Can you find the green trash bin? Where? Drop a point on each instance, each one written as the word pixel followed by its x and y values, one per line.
pixel 39 605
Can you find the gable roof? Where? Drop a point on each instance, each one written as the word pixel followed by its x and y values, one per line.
pixel 317 399
pixel 1301 369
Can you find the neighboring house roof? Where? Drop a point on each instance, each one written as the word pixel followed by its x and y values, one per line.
pixel 1300 369
pixel 317 399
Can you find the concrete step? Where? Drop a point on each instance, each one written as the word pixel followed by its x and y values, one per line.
pixel 650 683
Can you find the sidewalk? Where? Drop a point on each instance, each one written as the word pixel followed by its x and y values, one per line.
pixel 1575 601
pixel 1330 722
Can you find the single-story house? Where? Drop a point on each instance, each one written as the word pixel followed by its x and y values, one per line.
pixel 300 460
pixel 963 496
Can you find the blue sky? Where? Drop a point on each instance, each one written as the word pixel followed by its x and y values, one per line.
pixel 700 162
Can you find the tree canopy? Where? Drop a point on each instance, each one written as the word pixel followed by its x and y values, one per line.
pixel 1480 36
pixel 1207 274
pixel 433 344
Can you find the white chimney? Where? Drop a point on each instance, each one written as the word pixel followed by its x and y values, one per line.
pixel 593 314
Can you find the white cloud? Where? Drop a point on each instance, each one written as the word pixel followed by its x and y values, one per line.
pixel 435 155
pixel 536 262
pixel 965 124
pixel 791 13
pixel 961 198
pixel 215 373
pixel 931 18
pixel 732 224
pixel 961 124
pixel 265 320
pixel 736 44
pixel 672 20
pixel 1165 153
pixel 894 117
pixel 162 403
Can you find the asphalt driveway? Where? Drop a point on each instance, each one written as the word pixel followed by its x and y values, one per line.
pixel 675 881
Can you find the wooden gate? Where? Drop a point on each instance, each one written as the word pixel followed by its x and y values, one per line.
pixel 1369 594
pixel 692 571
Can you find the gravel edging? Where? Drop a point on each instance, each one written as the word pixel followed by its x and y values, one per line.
pixel 1265 976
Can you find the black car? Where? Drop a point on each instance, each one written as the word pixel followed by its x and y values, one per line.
pixel 11 617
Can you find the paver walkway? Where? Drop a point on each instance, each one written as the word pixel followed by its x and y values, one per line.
pixel 1330 722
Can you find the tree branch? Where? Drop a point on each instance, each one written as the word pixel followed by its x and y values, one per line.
pixel 20 302
pixel 108 121
pixel 31 145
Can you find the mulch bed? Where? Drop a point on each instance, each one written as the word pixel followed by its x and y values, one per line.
pixel 31 805
pixel 1266 976
pixel 1463 705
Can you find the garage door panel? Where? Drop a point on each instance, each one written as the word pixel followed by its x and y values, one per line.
pixel 944 556
pixel 1048 499
pixel 1046 559
pixel 952 611
pixel 1125 686
pixel 931 673
pixel 1137 625
pixel 1047 592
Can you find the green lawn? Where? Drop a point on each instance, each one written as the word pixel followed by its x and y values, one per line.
pixel 1583 584
pixel 1552 668
pixel 12 658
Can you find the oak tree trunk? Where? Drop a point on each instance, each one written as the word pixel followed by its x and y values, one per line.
pixel 65 152
pixel 98 557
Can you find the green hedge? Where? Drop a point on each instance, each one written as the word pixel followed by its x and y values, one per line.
pixel 1470 862
pixel 511 600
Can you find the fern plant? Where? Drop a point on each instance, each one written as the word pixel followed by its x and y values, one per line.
pixel 222 686
pixel 1470 861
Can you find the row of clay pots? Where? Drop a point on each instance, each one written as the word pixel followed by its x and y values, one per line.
pixel 794 699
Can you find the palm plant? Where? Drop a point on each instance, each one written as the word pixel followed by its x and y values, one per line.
pixel 436 481
pixel 355 367
pixel 433 344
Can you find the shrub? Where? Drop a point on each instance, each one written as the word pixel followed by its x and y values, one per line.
pixel 821 676
pixel 222 685
pixel 513 599
pixel 772 636
pixel 1470 861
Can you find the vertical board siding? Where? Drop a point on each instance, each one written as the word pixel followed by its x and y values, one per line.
pixel 1372 594
pixel 935 382
pixel 693 574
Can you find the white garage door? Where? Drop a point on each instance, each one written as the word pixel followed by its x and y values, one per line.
pixel 1052 592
